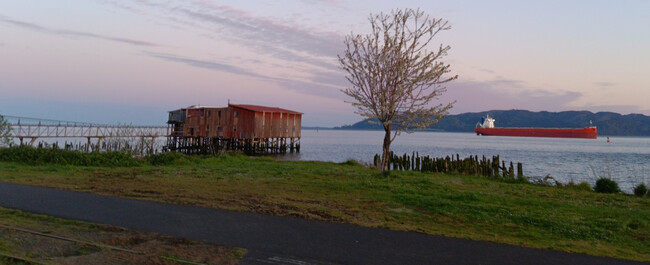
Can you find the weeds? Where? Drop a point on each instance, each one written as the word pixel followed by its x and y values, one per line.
pixel 582 186
pixel 41 156
pixel 167 158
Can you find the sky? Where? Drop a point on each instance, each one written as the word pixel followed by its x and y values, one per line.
pixel 132 61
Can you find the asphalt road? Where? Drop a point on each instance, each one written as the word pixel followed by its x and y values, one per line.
pixel 279 240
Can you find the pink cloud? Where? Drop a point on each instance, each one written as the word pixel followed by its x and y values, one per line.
pixel 474 96
pixel 72 33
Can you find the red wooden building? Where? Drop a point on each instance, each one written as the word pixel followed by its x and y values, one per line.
pixel 251 128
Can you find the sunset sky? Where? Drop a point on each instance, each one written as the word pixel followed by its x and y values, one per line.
pixel 130 62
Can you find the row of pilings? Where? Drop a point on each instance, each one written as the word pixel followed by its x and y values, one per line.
pixel 136 146
pixel 213 146
pixel 471 165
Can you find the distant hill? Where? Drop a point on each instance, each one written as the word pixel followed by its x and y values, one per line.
pixel 608 123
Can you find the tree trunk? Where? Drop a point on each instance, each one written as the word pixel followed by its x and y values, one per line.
pixel 385 157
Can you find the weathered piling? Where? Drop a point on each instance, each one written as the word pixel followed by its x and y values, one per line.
pixel 214 145
pixel 136 146
pixel 472 165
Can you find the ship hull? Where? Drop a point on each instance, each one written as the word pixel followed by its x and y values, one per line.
pixel 587 132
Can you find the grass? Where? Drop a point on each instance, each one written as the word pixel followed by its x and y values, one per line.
pixel 42 156
pixel 20 243
pixel 12 261
pixel 568 218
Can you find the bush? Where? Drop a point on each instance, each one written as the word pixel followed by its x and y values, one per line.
pixel 605 185
pixel 640 190
pixel 351 162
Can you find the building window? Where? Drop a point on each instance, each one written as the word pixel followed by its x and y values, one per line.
pixel 219 114
pixel 236 114
pixel 209 113
pixel 234 128
pixel 207 127
pixel 220 129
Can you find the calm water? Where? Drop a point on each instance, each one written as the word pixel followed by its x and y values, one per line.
pixel 624 159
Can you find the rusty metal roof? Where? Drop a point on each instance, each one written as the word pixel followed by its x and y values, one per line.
pixel 257 108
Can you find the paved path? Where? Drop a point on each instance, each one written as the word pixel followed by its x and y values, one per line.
pixel 279 240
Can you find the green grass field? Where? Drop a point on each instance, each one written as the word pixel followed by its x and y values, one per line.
pixel 560 218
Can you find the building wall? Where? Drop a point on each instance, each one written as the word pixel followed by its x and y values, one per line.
pixel 194 122
pixel 222 122
pixel 234 122
pixel 242 124
pixel 278 124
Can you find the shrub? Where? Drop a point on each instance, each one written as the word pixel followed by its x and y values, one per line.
pixel 605 185
pixel 351 162
pixel 640 190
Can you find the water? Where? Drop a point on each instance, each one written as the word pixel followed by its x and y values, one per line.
pixel 624 159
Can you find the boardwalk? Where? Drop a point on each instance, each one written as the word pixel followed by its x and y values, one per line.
pixel 32 129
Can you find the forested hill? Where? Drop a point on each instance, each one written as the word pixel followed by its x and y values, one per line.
pixel 608 123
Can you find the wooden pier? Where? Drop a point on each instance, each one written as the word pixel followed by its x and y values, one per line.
pixel 31 129
pixel 249 128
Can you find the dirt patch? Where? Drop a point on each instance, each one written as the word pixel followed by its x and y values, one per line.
pixel 294 208
pixel 102 244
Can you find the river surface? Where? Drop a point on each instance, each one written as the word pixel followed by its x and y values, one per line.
pixel 624 159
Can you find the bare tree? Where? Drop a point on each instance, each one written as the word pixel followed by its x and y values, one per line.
pixel 393 77
pixel 5 132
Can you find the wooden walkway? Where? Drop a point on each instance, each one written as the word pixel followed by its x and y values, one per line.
pixel 32 129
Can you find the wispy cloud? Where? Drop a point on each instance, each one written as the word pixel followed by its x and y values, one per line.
pixel 622 109
pixel 288 41
pixel 207 65
pixel 321 85
pixel 505 94
pixel 262 32
pixel 333 78
pixel 326 2
pixel 604 84
pixel 74 34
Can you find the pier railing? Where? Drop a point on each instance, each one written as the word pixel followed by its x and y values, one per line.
pixel 33 129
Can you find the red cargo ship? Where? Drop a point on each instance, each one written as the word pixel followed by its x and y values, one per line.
pixel 486 127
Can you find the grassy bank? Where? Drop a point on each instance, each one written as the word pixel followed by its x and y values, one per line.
pixel 567 219
pixel 37 239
